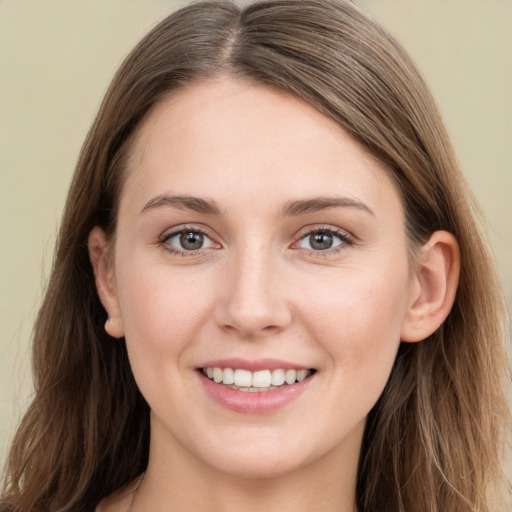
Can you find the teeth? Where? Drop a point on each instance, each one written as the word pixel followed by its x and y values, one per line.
pixel 255 381
pixel 277 377
pixel 261 379
pixel 290 376
pixel 301 375
pixel 243 378
pixel 217 374
pixel 228 376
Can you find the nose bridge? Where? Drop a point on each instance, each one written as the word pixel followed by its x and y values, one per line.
pixel 255 301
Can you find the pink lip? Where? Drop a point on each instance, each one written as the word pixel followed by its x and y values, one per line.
pixel 261 402
pixel 253 365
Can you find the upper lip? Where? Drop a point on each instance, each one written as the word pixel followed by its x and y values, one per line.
pixel 254 365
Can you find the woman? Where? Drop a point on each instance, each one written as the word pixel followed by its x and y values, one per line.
pixel 270 289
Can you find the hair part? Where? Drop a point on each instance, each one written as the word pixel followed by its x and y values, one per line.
pixel 434 440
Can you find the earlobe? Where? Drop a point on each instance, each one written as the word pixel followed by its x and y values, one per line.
pixel 104 279
pixel 436 277
pixel 114 327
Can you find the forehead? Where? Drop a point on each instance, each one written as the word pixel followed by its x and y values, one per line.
pixel 226 136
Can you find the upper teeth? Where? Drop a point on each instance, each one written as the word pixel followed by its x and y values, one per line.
pixel 259 379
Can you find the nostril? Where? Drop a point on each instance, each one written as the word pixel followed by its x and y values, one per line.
pixel 271 328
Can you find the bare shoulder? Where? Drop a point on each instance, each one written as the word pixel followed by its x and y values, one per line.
pixel 119 501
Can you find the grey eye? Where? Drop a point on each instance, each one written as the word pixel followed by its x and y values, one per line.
pixel 322 240
pixel 191 240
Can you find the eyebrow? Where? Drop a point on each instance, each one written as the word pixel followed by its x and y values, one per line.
pixel 315 204
pixel 290 209
pixel 195 204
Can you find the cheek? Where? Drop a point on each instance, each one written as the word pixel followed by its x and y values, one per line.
pixel 162 314
pixel 358 319
pixel 162 310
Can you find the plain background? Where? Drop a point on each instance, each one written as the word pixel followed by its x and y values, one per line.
pixel 58 56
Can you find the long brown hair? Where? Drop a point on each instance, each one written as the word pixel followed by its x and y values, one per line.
pixel 434 440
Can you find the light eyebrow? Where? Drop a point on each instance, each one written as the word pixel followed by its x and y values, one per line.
pixel 315 204
pixel 195 204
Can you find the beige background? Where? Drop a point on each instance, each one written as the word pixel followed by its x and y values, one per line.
pixel 57 57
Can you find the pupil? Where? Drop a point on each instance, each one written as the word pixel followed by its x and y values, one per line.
pixel 321 241
pixel 191 241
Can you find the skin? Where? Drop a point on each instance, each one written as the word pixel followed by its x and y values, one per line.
pixel 258 289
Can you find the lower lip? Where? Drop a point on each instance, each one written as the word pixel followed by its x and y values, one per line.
pixel 259 402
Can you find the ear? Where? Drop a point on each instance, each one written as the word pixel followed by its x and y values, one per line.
pixel 432 292
pixel 101 260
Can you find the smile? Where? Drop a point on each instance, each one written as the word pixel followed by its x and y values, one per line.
pixel 258 381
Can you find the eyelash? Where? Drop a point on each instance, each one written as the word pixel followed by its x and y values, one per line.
pixel 345 240
pixel 164 241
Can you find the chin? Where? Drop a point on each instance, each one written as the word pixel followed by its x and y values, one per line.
pixel 264 458
pixel 266 467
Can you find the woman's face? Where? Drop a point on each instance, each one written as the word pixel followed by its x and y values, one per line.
pixel 257 238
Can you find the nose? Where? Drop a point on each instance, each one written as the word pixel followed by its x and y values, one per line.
pixel 254 300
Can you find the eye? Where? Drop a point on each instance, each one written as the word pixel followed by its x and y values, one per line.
pixel 323 240
pixel 187 240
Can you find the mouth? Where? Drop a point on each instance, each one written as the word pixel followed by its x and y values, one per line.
pixel 258 381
